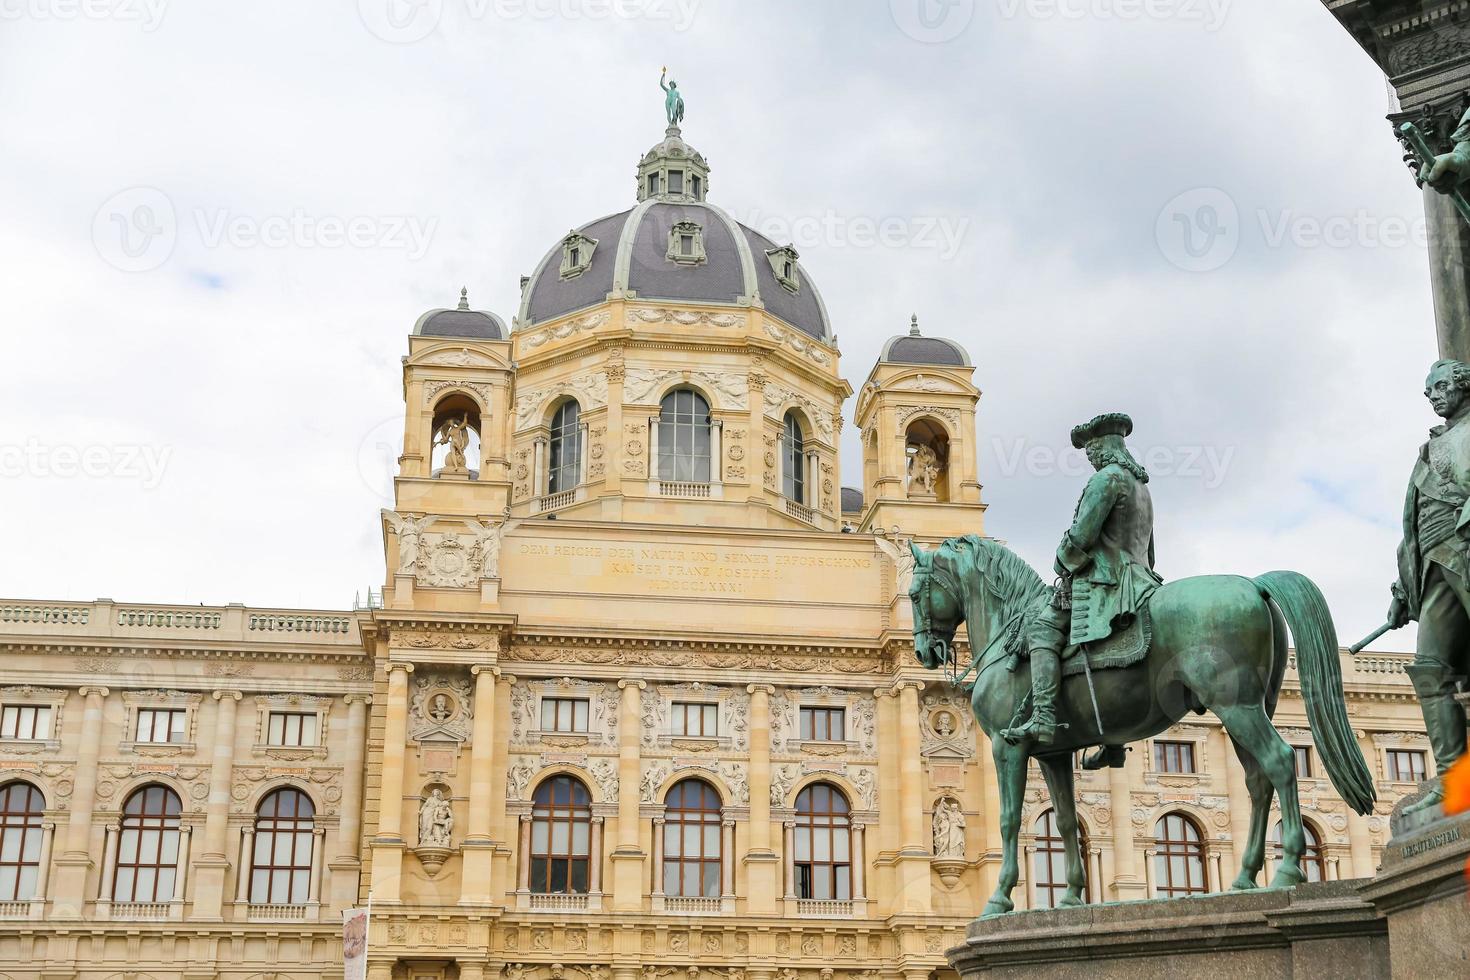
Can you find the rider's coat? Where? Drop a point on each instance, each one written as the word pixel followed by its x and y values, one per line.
pixel 1109 553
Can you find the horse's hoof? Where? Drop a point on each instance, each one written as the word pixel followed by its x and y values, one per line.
pixel 1070 902
pixel 997 906
pixel 1244 884
pixel 1287 878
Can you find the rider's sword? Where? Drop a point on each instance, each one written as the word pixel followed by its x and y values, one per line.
pixel 1087 669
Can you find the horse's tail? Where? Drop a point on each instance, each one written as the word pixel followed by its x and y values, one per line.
pixel 1320 671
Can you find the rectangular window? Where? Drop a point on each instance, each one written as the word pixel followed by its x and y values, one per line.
pixel 823 724
pixel 160 725
pixel 1303 755
pixel 652 184
pixel 696 185
pixel 1406 765
pixel 563 714
pixel 292 729
pixel 699 720
pixel 28 721
pixel 676 181
pixel 1174 757
pixel 686 244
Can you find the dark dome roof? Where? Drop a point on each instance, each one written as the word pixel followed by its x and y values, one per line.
pixel 852 500
pixel 911 348
pixel 631 254
pixel 461 322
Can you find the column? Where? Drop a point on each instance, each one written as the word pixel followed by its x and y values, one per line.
pixel 242 877
pixel 653 449
pixel 658 860
pixel 1360 846
pixel 388 844
pixel 347 865
pixel 1095 876
pixel 479 848
pixel 594 875
pixel 727 864
pixel 1240 804
pixel 1028 864
pixel 1333 871
pixel 859 863
pixel 523 856
pixel 788 856
pixel 813 474
pixel 760 860
pixel 1148 872
pixel 1215 868
pixel 318 845
pixel 582 450
pixel 628 870
pixel 716 465
pixel 72 866
pixel 109 866
pixel 181 867
pixel 781 461
pixel 209 885
pixel 538 474
pixel 915 890
pixel 1126 884
pixel 43 873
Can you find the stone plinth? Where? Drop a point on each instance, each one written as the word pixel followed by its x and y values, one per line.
pixel 1323 930
pixel 1420 890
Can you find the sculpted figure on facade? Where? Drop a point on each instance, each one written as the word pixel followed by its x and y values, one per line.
pixel 436 820
pixel 454 433
pixel 518 780
pixel 949 829
pixel 923 471
pixel 410 533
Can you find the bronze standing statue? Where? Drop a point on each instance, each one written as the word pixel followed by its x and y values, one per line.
pixel 1147 654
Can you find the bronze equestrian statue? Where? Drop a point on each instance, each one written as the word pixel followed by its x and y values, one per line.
pixel 1147 654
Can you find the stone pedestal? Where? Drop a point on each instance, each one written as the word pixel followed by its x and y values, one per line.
pixel 1420 890
pixel 1312 932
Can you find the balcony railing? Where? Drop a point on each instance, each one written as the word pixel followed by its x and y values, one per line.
pixel 44 613
pixel 558 903
pixel 276 913
pixel 556 501
pixel 169 618
pixel 15 910
pixel 811 908
pixel 140 911
pixel 681 905
pixel 800 511
pixel 668 488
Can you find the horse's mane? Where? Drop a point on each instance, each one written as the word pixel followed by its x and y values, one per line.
pixel 1006 574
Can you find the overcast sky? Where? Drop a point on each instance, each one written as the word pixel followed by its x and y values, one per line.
pixel 1194 213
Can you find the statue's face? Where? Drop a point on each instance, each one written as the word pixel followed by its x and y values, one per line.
pixel 1442 392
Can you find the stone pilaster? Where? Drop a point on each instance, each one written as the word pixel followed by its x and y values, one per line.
pixel 388 844
pixel 627 859
pixel 478 847
pixel 347 865
pixel 213 862
pixel 760 860
pixel 915 890
pixel 1127 883
pixel 74 863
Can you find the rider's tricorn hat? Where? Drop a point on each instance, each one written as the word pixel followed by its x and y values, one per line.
pixel 1111 424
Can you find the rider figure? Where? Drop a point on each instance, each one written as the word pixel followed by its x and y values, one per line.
pixel 1104 567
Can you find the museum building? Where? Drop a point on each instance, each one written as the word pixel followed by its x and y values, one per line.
pixel 638 698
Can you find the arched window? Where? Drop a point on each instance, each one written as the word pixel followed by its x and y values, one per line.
pixel 1179 862
pixel 1314 866
pixel 1050 864
pixel 822 854
pixel 565 466
pixel 793 461
pixel 148 849
pixel 683 437
pixel 21 805
pixel 561 837
pixel 280 870
pixel 692 857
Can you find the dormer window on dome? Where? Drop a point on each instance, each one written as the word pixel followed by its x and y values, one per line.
pixel 783 263
pixel 686 243
pixel 576 254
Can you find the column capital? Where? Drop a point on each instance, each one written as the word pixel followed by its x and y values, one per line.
pixel 728 822
pixel 598 820
pixel 767 689
pixel 525 818
pixel 90 689
pixel 404 666
pixel 628 682
pixel 907 684
pixel 319 831
pixel 491 669
pixel 222 695
pixel 357 698
pixel 659 821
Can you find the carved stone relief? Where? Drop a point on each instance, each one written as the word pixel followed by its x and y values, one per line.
pixel 442 708
pixel 777 396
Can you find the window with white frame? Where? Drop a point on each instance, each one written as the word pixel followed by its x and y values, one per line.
pixel 564 714
pixel 25 721
pixel 161 725
pixel 694 719
pixel 292 729
pixel 819 723
pixel 1174 757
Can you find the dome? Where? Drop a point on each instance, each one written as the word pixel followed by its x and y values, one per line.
pixel 913 348
pixel 675 246
pixel 461 322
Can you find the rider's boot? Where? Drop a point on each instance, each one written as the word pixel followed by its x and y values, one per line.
pixel 1046 671
pixel 1445 720
pixel 1106 757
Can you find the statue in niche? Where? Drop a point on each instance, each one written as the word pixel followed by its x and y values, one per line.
pixel 949 830
pixel 439 710
pixel 410 533
pixel 923 472
pixel 944 724
pixel 436 821
pixel 454 433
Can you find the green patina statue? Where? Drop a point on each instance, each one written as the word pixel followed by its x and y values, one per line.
pixel 1147 654
pixel 1433 586
pixel 1447 173
pixel 673 101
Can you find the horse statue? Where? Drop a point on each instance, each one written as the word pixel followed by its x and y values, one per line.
pixel 1217 643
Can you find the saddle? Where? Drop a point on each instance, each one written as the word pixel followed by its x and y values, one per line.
pixel 1124 647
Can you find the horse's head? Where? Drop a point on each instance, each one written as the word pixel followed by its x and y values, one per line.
pixel 938 610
